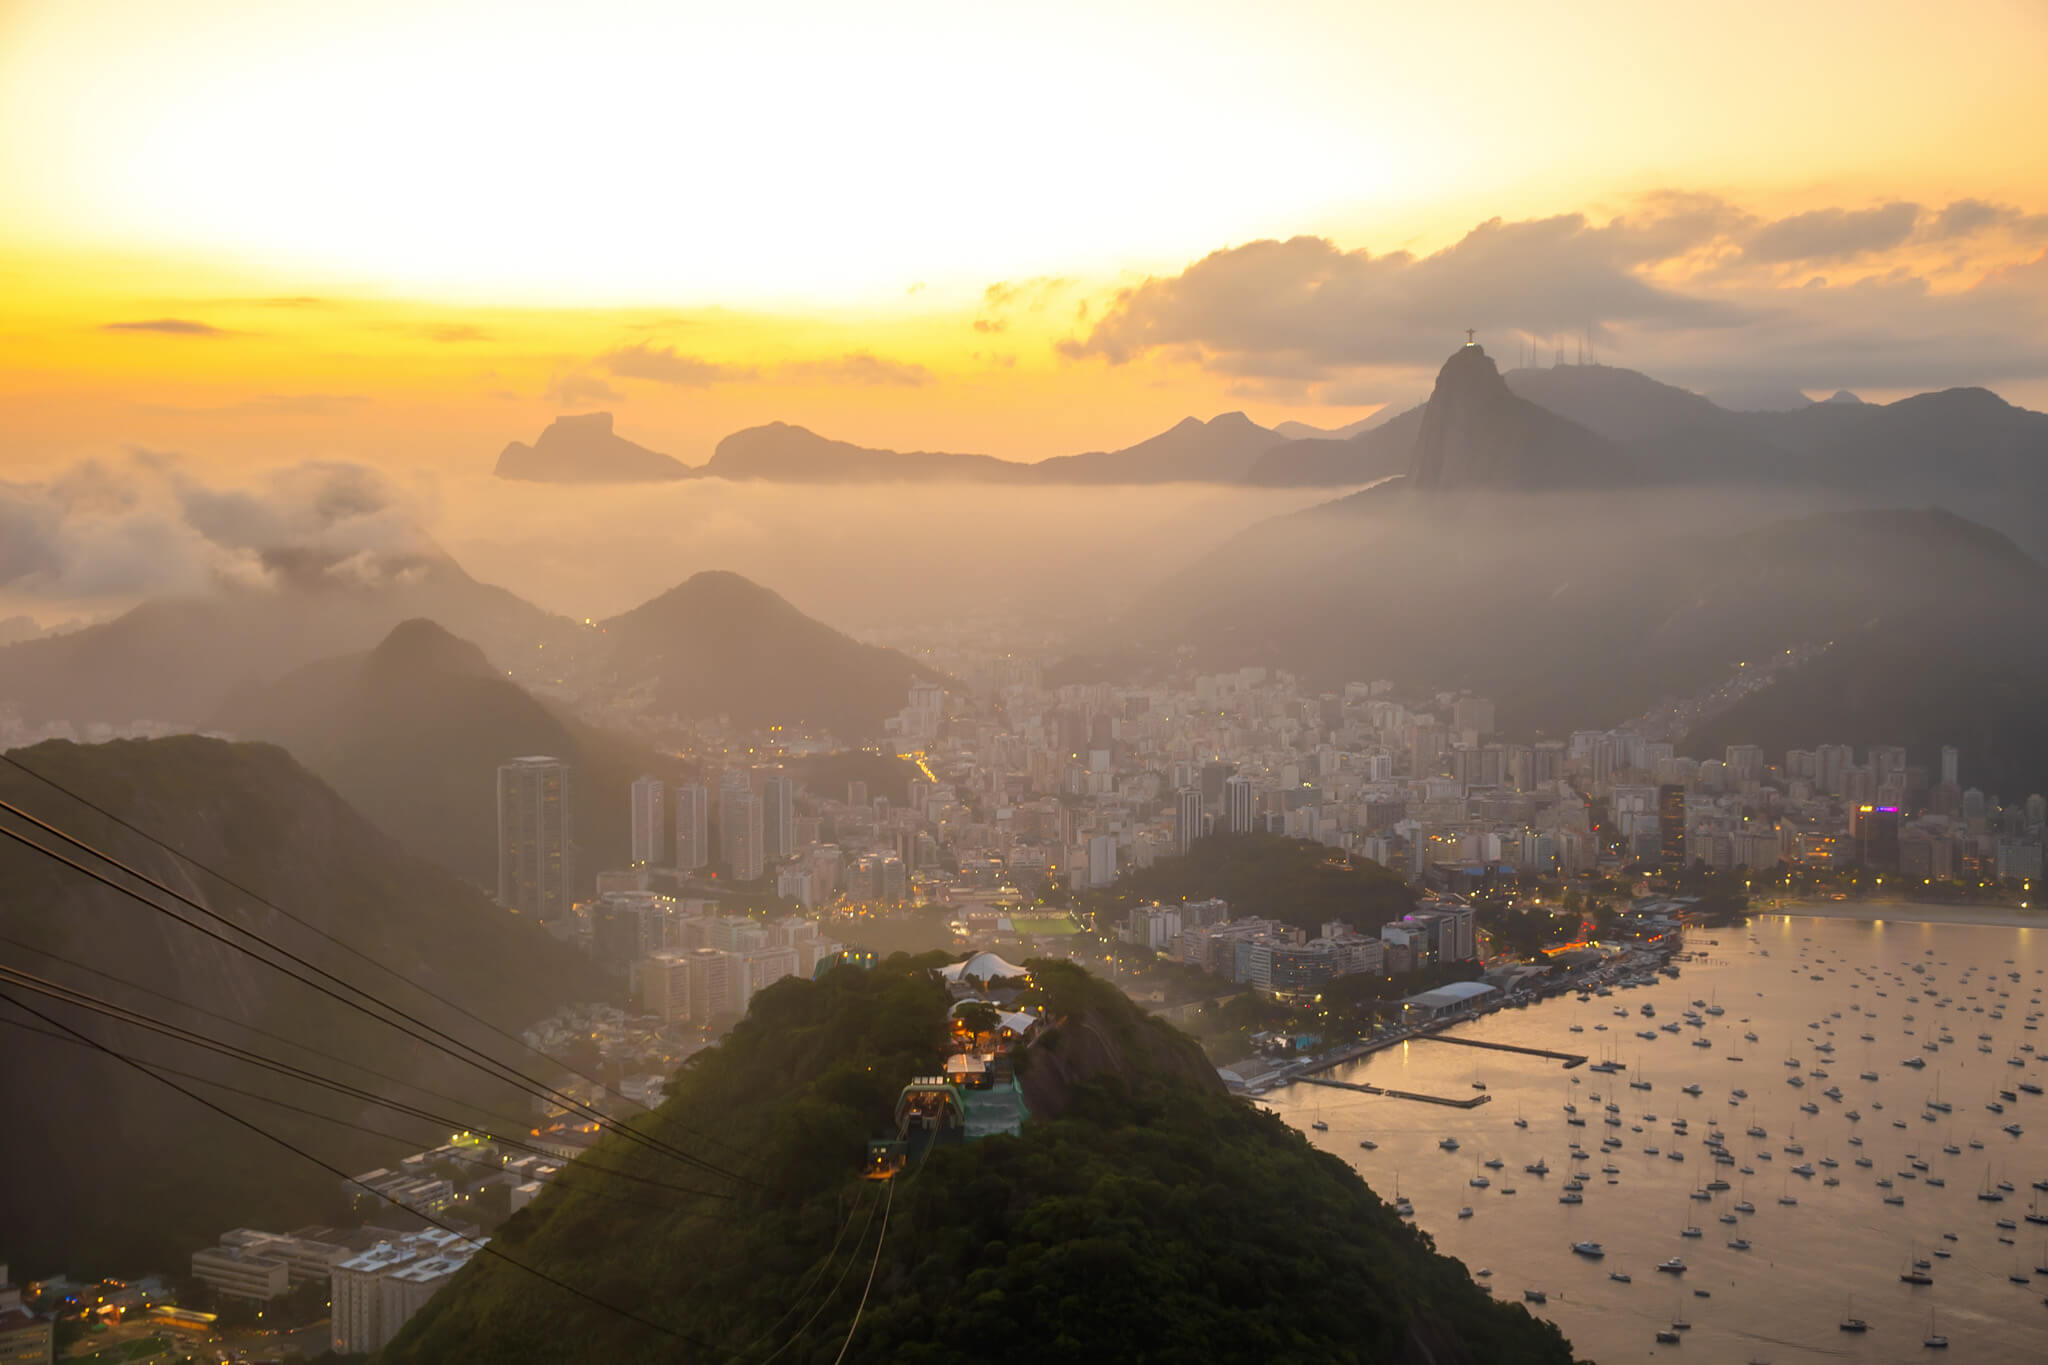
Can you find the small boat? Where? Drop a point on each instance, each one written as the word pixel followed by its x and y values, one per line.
pixel 1592 1250
pixel 1369 1145
pixel 1465 1212
pixel 1619 1277
pixel 1449 1144
pixel 1674 1266
pixel 1320 1126
pixel 1666 1336
pixel 1739 1244
pixel 1535 1296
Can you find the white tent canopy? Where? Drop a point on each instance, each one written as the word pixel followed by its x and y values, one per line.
pixel 981 967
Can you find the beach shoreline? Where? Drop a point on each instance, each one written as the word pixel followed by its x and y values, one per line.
pixel 1911 912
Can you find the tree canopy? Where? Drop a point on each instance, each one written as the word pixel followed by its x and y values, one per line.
pixel 1296 881
pixel 1146 1216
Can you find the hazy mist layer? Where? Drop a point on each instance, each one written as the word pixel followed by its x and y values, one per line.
pixel 103 535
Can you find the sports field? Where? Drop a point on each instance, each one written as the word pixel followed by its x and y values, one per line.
pixel 1044 924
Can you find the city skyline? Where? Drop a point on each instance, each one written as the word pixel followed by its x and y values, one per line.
pixel 1207 639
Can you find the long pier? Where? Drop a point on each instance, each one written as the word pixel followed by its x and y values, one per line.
pixel 1570 1059
pixel 1473 1103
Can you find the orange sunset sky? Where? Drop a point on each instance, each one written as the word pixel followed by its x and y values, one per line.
pixel 403 234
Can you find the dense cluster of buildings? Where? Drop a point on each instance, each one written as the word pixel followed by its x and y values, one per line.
pixel 1822 808
pixel 379 1275
pixel 25 1337
pixel 1271 956
pixel 376 1278
pixel 1017 785
pixel 1080 782
pixel 709 965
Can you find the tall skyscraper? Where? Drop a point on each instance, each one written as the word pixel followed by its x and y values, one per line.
pixel 731 788
pixel 1101 859
pixel 536 860
pixel 1237 804
pixel 1187 817
pixel 740 830
pixel 650 821
pixel 1671 824
pixel 1949 761
pixel 693 826
pixel 778 816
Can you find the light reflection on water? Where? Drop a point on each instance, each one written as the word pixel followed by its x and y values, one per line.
pixel 1783 1299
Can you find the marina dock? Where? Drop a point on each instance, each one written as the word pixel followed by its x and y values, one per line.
pixel 1470 1103
pixel 1570 1059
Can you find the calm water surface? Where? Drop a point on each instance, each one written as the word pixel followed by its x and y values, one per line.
pixel 1835 1251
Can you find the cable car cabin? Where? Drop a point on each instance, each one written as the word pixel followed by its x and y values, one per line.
pixel 886 1159
pixel 929 1110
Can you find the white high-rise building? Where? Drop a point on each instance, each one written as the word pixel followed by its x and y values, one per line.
pixel 1187 818
pixel 1237 804
pixel 536 857
pixel 740 833
pixel 375 1292
pixel 693 826
pixel 778 816
pixel 650 822
pixel 1102 860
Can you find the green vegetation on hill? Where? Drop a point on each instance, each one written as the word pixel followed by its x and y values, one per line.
pixel 1143 1215
pixel 1976 685
pixel 1299 882
pixel 111 1172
